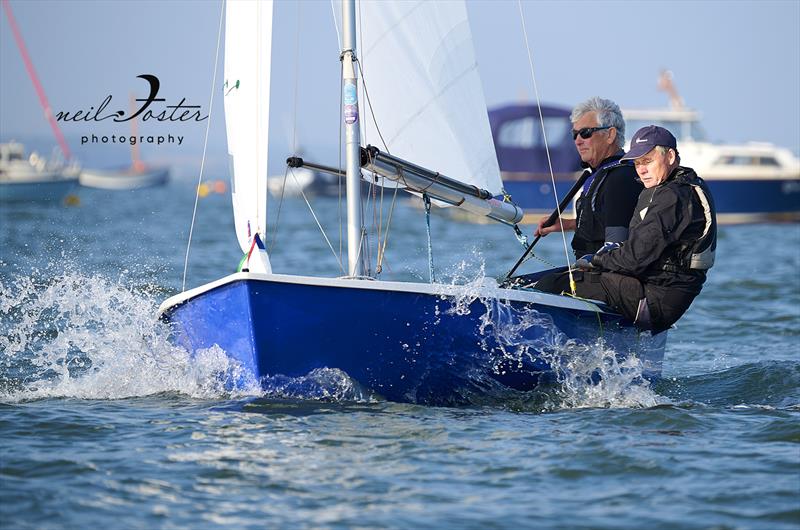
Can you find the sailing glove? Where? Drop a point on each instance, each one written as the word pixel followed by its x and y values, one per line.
pixel 585 262
pixel 606 248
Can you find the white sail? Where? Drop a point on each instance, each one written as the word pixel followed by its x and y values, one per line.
pixel 248 47
pixel 283 93
pixel 422 77
pixel 282 78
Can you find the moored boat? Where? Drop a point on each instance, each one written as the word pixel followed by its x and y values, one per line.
pixel 33 178
pixel 127 178
pixel 750 182
pixel 137 175
pixel 522 152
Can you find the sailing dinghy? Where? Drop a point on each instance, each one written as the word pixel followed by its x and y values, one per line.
pixel 411 342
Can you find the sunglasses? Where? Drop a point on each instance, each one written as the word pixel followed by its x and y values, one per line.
pixel 587 132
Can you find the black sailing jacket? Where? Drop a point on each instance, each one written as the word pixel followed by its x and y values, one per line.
pixel 667 226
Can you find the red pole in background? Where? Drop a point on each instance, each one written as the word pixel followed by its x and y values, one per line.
pixel 35 79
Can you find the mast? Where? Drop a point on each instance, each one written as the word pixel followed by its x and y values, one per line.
pixel 352 139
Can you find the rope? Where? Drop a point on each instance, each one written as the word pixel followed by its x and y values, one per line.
pixel 427 201
pixel 381 247
pixel 246 257
pixel 205 146
pixel 591 305
pixel 546 148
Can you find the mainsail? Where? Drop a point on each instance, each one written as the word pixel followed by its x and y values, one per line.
pixel 420 70
pixel 282 93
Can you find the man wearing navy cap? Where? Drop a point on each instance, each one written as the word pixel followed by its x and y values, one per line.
pixel 653 277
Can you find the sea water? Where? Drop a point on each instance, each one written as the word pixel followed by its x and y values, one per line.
pixel 105 423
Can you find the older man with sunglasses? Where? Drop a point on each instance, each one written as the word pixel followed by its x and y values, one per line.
pixel 654 276
pixel 605 205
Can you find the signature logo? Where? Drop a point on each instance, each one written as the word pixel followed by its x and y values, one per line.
pixel 641 140
pixel 177 112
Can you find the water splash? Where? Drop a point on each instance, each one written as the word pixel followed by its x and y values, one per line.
pixel 595 375
pixel 75 335
pixel 88 337
pixel 321 384
pixel 584 375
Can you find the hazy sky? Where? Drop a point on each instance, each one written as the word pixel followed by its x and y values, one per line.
pixel 737 62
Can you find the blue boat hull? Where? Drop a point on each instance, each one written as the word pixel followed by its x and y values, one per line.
pixel 535 195
pixel 407 346
pixel 745 201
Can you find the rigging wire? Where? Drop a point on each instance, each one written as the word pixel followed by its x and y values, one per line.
pixel 274 239
pixel 381 248
pixel 294 136
pixel 336 26
pixel 546 148
pixel 205 146
pixel 337 257
pixel 314 215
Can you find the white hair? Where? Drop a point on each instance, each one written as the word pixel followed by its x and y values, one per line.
pixel 664 150
pixel 608 115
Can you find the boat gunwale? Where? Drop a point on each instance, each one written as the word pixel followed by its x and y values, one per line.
pixel 436 289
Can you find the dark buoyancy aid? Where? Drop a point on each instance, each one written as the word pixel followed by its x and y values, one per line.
pixel 590 230
pixel 696 253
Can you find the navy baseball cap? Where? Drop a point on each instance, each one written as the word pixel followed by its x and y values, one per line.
pixel 647 138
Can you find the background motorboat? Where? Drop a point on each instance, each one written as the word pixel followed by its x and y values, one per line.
pixel 33 178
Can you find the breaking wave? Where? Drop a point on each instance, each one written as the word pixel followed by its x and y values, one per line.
pixel 87 337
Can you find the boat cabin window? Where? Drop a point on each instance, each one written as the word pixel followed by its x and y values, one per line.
pixel 768 161
pixel 683 130
pixel 744 160
pixel 11 154
pixel 526 133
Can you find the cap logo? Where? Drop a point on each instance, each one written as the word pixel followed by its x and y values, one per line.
pixel 641 140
